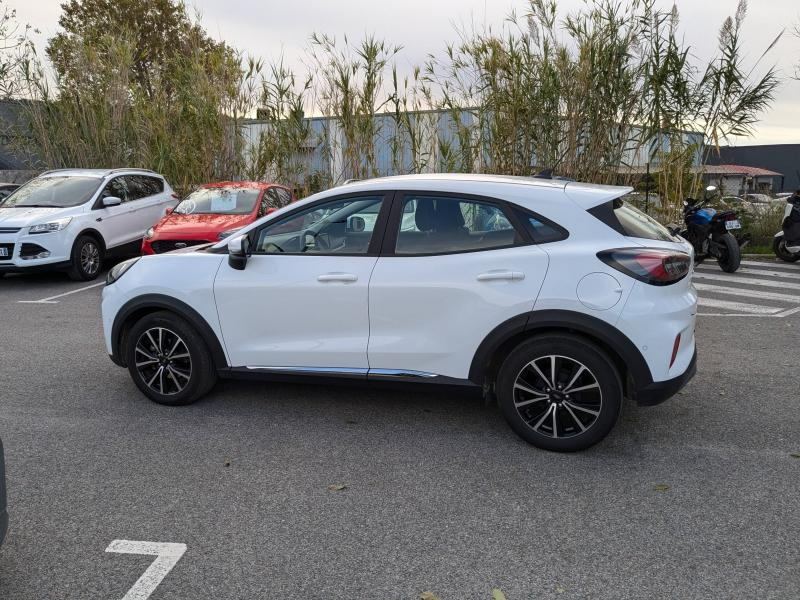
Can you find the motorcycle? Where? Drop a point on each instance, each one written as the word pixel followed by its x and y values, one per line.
pixel 786 243
pixel 709 232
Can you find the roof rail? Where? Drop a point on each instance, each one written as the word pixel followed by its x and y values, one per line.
pixel 136 169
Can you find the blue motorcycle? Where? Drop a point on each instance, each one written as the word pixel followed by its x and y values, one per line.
pixel 709 231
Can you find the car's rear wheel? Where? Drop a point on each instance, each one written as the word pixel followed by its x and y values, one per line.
pixel 559 392
pixel 168 360
pixel 86 259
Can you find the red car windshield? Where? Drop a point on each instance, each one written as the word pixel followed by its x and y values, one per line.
pixel 219 201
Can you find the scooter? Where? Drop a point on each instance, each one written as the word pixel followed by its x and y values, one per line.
pixel 786 243
pixel 709 232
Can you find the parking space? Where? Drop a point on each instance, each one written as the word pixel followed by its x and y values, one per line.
pixel 292 491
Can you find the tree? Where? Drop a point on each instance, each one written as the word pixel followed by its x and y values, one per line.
pixel 160 33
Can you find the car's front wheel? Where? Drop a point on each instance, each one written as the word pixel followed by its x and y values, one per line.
pixel 86 260
pixel 168 360
pixel 559 392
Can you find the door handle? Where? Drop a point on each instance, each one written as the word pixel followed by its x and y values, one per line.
pixel 501 276
pixel 343 277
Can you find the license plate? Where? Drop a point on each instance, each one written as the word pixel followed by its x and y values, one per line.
pixel 3 251
pixel 733 225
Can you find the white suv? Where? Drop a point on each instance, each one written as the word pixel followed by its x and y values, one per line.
pixel 556 298
pixel 74 218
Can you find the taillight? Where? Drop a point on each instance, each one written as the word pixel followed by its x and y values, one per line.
pixel 651 265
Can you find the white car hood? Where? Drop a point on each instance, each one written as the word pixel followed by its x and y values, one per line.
pixel 25 216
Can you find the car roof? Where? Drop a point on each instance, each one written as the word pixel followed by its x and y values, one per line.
pixel 98 173
pixel 585 195
pixel 252 184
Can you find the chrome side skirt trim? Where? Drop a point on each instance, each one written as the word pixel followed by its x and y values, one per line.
pixel 310 370
pixel 401 373
pixel 349 371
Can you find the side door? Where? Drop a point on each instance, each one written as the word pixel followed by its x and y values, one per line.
pixel 301 303
pixel 453 268
pixel 149 204
pixel 113 222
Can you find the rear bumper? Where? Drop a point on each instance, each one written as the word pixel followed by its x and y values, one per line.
pixel 659 391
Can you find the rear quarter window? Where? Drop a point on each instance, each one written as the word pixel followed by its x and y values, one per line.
pixel 628 220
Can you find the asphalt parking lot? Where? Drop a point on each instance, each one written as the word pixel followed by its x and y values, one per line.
pixel 290 491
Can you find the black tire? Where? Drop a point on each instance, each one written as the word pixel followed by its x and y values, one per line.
pixel 86 259
pixel 731 256
pixel 779 248
pixel 575 426
pixel 164 328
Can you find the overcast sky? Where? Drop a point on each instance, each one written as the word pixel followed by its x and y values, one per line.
pixel 268 28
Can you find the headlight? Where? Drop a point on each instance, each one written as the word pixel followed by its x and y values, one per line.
pixel 52 226
pixel 120 270
pixel 228 233
pixel 148 234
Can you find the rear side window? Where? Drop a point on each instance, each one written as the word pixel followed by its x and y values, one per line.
pixel 441 225
pixel 628 220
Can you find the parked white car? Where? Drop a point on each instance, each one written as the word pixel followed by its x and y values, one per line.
pixel 73 219
pixel 556 297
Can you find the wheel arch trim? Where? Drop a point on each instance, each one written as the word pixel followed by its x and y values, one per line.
pixel 527 324
pixel 148 303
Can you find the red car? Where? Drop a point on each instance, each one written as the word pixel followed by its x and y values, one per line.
pixel 213 212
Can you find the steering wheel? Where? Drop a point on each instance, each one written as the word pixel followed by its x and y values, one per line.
pixel 320 242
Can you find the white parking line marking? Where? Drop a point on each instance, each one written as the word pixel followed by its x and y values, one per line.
pixel 739 306
pixel 52 299
pixel 167 556
pixel 747 293
pixel 771 265
pixel 748 281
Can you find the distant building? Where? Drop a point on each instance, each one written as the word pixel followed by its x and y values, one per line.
pixel 780 158
pixel 737 180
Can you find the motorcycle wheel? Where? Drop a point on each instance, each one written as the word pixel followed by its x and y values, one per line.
pixel 779 248
pixel 731 256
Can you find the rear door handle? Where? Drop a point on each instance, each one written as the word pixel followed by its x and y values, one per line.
pixel 501 276
pixel 343 277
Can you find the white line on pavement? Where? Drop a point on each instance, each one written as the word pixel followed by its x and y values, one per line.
pixel 771 265
pixel 167 556
pixel 52 299
pixel 748 281
pixel 741 307
pixel 757 294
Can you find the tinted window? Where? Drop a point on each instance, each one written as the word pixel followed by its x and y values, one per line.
pixel 339 227
pixel 231 200
pixel 434 224
pixel 284 197
pixel 117 187
pixel 143 186
pixel 543 231
pixel 635 223
pixel 58 192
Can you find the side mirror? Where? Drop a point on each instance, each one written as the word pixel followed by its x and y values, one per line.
pixel 356 224
pixel 238 251
pixel 110 201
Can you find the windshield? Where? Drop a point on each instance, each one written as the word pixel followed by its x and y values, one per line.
pixel 219 201
pixel 53 192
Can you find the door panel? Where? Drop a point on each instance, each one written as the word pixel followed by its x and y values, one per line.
pixel 302 299
pixel 296 311
pixel 430 313
pixel 458 269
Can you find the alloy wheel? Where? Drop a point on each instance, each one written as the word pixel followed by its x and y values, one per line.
pixel 163 361
pixel 90 258
pixel 557 396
